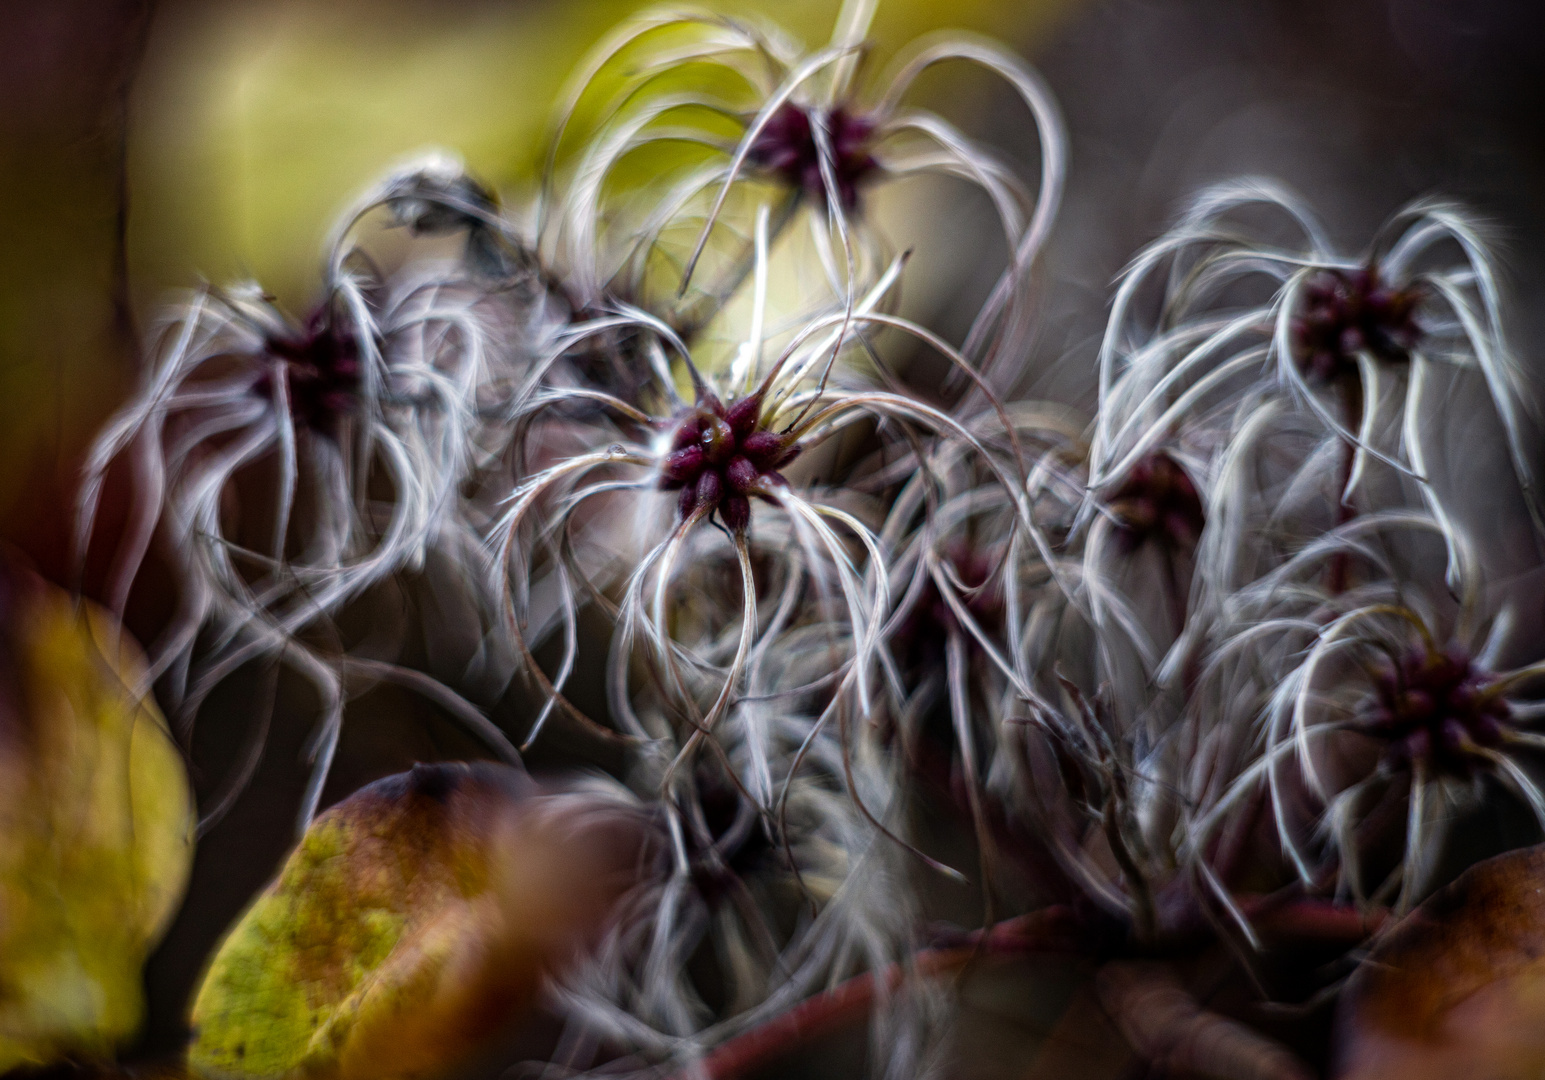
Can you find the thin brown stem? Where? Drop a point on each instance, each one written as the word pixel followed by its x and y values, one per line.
pixel 1049 930
pixel 1337 577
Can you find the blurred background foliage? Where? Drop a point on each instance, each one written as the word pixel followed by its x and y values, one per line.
pixel 258 122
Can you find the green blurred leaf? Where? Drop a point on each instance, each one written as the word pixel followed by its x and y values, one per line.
pixel 96 827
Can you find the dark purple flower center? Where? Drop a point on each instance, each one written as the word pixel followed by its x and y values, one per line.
pixel 1346 312
pixel 720 456
pixel 972 569
pixel 1158 502
pixel 322 373
pixel 921 636
pixel 1436 708
pixel 787 146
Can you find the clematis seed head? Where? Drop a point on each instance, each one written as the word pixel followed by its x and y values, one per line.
pixel 1348 312
pixel 1435 708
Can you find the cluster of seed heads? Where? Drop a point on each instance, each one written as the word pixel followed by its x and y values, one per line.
pixel 1167 706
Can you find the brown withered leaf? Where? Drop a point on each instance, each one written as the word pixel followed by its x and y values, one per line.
pixel 416 918
pixel 1458 988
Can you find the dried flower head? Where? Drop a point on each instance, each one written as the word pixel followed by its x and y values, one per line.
pixel 1347 312
pixel 789 146
pixel 321 373
pixel 1357 708
pixel 721 109
pixel 1215 331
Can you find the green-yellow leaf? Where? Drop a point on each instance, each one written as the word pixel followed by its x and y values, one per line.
pixel 416 918
pixel 96 827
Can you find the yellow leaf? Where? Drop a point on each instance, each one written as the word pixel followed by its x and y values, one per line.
pixel 416 918
pixel 96 827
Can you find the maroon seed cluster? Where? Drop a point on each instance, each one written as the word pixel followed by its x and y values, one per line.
pixel 720 456
pixel 1436 708
pixel 1347 312
pixel 322 373
pixel 1158 502
pixel 786 146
